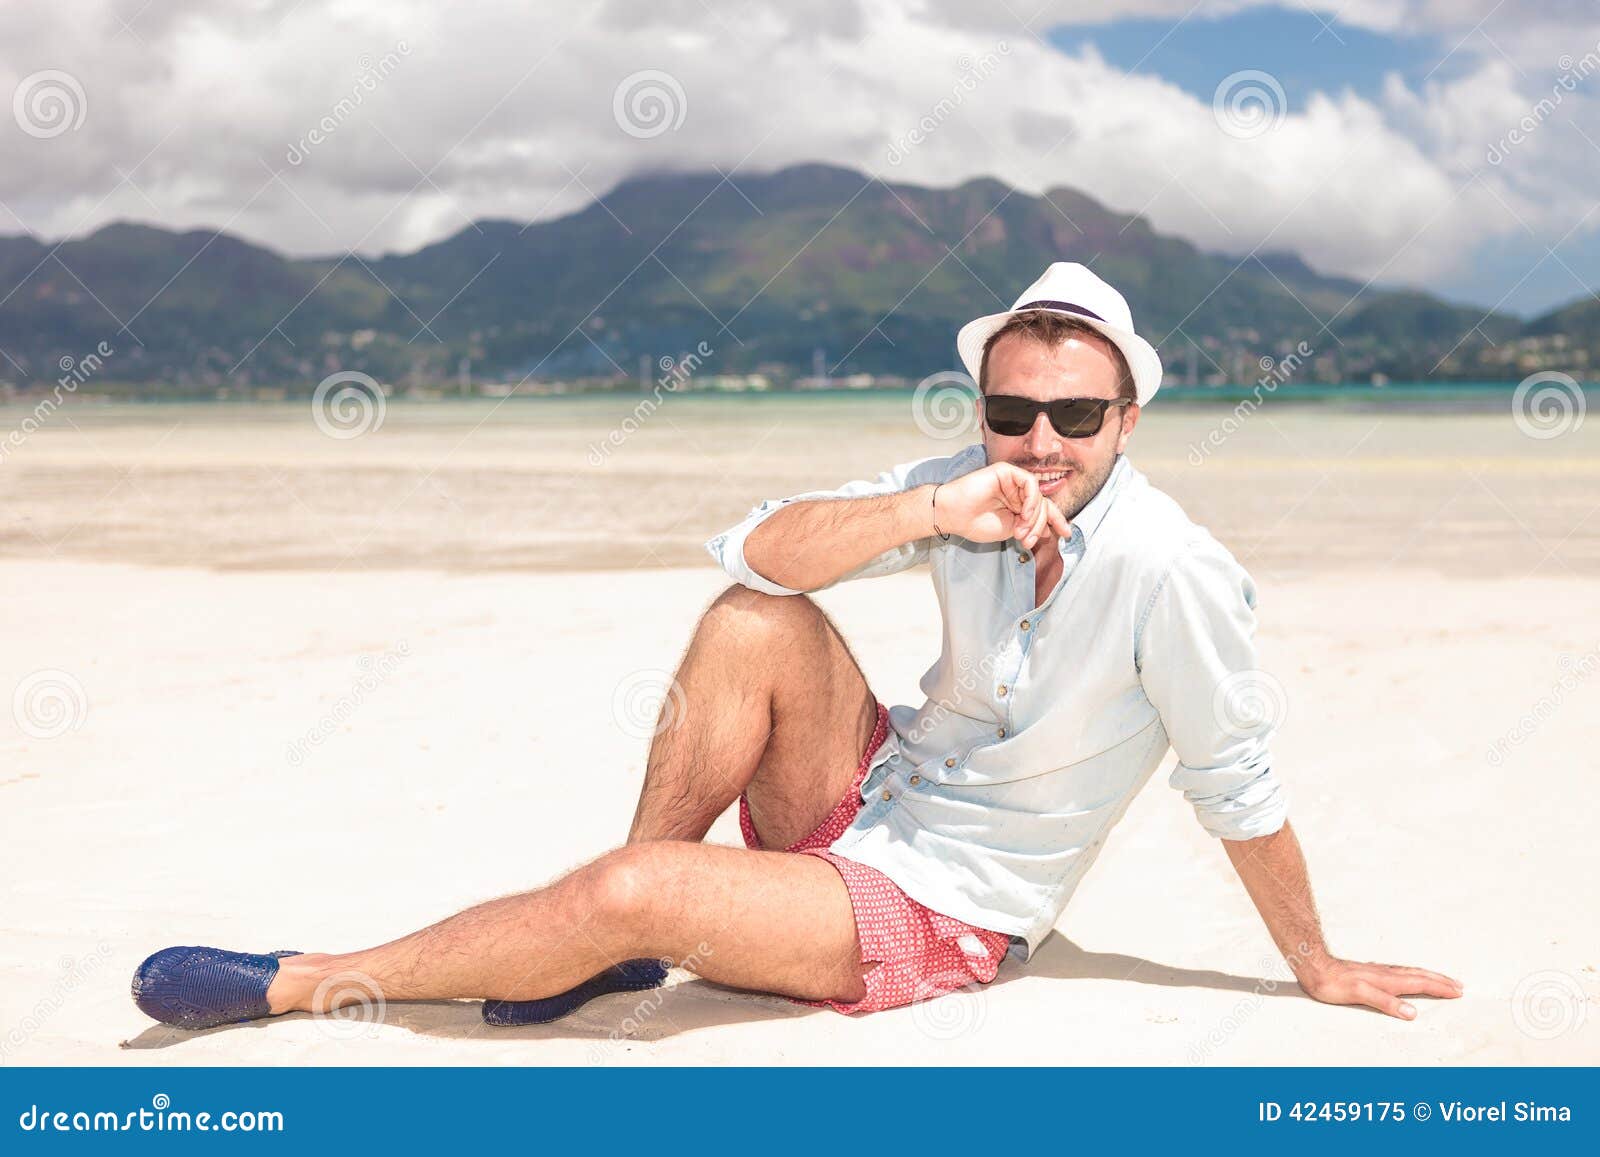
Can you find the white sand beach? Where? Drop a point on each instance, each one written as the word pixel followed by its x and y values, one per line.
pixel 489 758
pixel 463 731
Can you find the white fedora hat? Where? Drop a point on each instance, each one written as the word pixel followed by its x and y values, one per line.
pixel 1072 289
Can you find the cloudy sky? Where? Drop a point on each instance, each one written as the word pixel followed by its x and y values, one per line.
pixel 1452 144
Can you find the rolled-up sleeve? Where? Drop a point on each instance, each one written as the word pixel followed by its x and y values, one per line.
pixel 1197 660
pixel 727 548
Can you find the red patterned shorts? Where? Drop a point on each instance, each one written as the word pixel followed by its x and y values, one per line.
pixel 920 953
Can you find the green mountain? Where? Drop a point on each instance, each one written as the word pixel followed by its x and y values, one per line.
pixel 765 270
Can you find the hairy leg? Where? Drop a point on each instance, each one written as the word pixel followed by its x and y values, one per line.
pixel 769 702
pixel 771 921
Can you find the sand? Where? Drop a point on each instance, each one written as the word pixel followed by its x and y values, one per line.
pixel 557 484
pixel 478 751
pixel 317 692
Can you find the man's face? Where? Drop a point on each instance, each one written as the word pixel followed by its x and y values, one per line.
pixel 1071 470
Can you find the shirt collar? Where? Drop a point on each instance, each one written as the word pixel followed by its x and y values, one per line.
pixel 1092 515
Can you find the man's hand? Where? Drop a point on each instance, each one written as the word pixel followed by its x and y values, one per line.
pixel 1274 873
pixel 812 544
pixel 998 502
pixel 1378 986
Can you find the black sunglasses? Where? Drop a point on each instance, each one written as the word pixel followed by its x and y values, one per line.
pixel 1012 417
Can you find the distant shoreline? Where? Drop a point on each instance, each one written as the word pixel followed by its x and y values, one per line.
pixel 1394 393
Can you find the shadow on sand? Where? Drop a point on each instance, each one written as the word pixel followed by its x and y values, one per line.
pixel 623 1018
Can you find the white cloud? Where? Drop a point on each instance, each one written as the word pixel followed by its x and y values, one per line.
pixel 508 109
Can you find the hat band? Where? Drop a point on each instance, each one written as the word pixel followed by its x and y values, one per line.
pixel 1064 306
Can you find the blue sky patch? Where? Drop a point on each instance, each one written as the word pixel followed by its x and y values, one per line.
pixel 1306 53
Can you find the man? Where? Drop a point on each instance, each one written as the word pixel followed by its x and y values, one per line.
pixel 1088 627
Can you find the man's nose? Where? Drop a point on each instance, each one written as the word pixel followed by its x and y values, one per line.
pixel 1043 440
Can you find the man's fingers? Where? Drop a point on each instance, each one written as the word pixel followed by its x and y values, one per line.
pixel 1049 520
pixel 1427 986
pixel 1030 497
pixel 1370 994
pixel 1414 982
pixel 1026 530
pixel 1030 509
pixel 1430 974
pixel 1032 514
pixel 1013 484
pixel 1019 490
pixel 1041 521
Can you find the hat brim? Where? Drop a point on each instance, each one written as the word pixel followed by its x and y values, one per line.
pixel 1143 360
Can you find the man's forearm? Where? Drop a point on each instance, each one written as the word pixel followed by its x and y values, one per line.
pixel 808 545
pixel 1274 873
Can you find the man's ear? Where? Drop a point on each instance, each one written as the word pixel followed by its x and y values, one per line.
pixel 1130 419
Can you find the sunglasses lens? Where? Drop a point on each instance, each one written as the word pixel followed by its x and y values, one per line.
pixel 1007 416
pixel 1012 417
pixel 1079 418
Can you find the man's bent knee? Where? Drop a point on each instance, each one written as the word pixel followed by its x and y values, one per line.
pixel 619 886
pixel 743 604
pixel 752 619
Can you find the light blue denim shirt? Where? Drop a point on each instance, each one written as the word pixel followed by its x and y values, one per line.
pixel 1041 723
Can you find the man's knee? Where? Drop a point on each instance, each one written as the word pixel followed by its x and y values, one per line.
pixel 621 885
pixel 749 616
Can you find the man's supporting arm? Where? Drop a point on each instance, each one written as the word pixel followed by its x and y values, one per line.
pixel 1199 668
pixel 1273 870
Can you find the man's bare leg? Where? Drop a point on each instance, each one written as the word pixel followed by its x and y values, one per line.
pixel 770 702
pixel 770 921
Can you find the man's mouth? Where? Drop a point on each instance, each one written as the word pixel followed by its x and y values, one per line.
pixel 1051 481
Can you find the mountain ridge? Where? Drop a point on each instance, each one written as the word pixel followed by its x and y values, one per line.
pixel 767 269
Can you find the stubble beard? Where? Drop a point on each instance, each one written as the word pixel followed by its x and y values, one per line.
pixel 1082 489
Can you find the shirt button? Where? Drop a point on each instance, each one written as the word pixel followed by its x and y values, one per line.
pixel 1001 690
pixel 916 779
pixel 950 762
pixel 1001 733
pixel 1025 624
pixel 887 796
